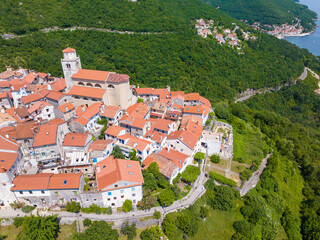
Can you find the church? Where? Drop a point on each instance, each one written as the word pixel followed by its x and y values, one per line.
pixel 90 86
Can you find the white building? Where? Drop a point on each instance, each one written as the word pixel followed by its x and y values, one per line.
pixel 119 180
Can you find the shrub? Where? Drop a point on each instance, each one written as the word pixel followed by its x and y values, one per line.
pixel 176 179
pixel 157 215
pixel 16 205
pixel 17 221
pixel 87 222
pixel 246 174
pixel 169 225
pixel 191 173
pixel 166 197
pixel 204 212
pixel 86 187
pixel 129 230
pixel 127 205
pixel 199 156
pixel 222 179
pixel 73 206
pixel 27 209
pixel 140 100
pixel 215 158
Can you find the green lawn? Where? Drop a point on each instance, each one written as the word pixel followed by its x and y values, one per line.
pixel 10 231
pixel 66 231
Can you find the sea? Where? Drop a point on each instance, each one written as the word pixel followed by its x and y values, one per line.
pixel 310 42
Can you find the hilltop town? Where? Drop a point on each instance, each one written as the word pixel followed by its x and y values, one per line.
pixel 86 137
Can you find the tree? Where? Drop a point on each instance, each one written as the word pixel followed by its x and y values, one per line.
pixel 223 198
pixel 191 173
pixel 169 225
pixel 148 201
pixel 188 223
pixel 153 168
pixel 176 179
pixel 166 197
pixel 127 205
pixel 246 174
pixel 17 221
pixel 153 233
pixel 37 227
pixel 87 222
pixel 204 211
pixel 157 215
pixel 133 155
pixel 98 230
pixel 73 206
pixel 222 111
pixel 117 153
pixel 129 230
pixel 140 100
pixel 199 156
pixel 215 158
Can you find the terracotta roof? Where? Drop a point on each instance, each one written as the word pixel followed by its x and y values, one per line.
pixel 66 107
pixel 5 117
pixel 193 128
pixel 38 106
pixel 75 139
pixel 22 111
pixel 162 124
pixel 176 157
pixel 205 101
pixel 99 145
pixel 110 171
pixel 139 123
pixel 7 159
pixel 91 111
pixel 117 78
pixel 186 137
pixel 42 75
pixel 134 142
pixel 197 120
pixel 27 130
pixel 155 136
pixel 198 109
pixel 29 78
pixel 140 108
pixel 4 95
pixel 7 74
pixel 32 98
pixel 87 92
pixel 114 130
pixel 191 97
pixel 144 91
pixel 47 134
pixel 36 88
pixel 64 181
pixel 68 50
pixel 93 75
pixel 110 111
pixel 38 181
pixel 54 95
pixel 166 167
pixel 161 92
pixel 59 84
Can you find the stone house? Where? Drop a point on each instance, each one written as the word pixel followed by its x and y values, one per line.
pixel 100 149
pixel 65 111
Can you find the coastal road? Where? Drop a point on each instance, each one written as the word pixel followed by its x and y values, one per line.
pixel 252 182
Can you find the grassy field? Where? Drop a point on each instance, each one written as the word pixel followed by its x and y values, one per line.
pixel 66 231
pixel 248 144
pixel 139 230
pixel 10 231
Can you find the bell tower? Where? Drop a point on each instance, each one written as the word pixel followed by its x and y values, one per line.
pixel 70 65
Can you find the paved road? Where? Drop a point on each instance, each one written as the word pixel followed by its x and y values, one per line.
pixel 252 182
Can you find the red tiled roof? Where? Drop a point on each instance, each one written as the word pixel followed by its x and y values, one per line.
pixel 114 130
pixel 7 159
pixel 135 142
pixel 64 181
pixel 68 50
pixel 166 167
pixel 26 130
pixel 189 139
pixel 55 95
pixel 144 91
pixel 176 157
pixel 191 97
pixel 139 123
pixel 75 139
pixel 197 120
pixel 110 111
pixel 205 101
pixel 91 111
pixel 42 75
pixel 162 124
pixel 87 92
pixel 110 171
pixel 38 106
pixel 59 84
pixel 38 181
pixel 32 98
pixel 99 145
pixel 117 78
pixel 66 107
pixel 93 75
pixel 155 136
pixel 47 134
pixel 193 128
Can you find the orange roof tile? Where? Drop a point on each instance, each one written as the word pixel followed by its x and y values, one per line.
pixel 144 91
pixel 110 111
pixel 42 75
pixel 7 159
pixel 32 98
pixel 162 124
pixel 91 111
pixel 166 167
pixel 198 109
pixel 155 136
pixel 197 120
pixel 64 181
pixel 55 95
pixel 117 78
pixel 93 75
pixel 205 101
pixel 38 106
pixel 176 157
pixel 134 142
pixel 110 171
pixel 66 107
pixel 47 134
pixel 75 139
pixel 114 130
pixel 59 84
pixel 68 50
pixel 99 145
pixel 192 97
pixel 38 181
pixel 139 123
pixel 87 92
pixel 186 137
pixel 27 130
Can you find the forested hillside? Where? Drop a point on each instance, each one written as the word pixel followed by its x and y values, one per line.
pixel 185 61
pixel 266 12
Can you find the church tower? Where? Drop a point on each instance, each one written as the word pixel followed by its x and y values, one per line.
pixel 70 65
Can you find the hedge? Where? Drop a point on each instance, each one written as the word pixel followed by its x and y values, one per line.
pixel 222 179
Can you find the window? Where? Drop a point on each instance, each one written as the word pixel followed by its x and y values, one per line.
pixel 93 99
pixel 68 65
pixel 122 191
pixel 133 189
pixel 109 193
pixel 108 199
pixel 21 192
pixel 133 195
pixel 89 85
pixel 116 185
pixel 126 184
pixel 95 200
pixel 42 192
pixel 122 196
pixel 4 184
pixel 115 198
pixel 87 200
pixel 65 182
pixel 110 86
pixel 98 85
pixel 30 192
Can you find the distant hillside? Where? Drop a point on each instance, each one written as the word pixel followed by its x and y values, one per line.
pixel 266 12
pixel 144 15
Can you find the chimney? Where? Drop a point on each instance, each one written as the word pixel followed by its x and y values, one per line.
pixel 98 169
pixel 47 133
pixel 9 68
pixel 168 88
pixel 50 87
pixel 83 108
pixel 2 110
pixel 135 145
pixel 138 86
pixel 169 147
pixel 7 135
pixel 66 108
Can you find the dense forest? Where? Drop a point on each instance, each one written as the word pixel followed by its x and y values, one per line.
pixel 185 61
pixel 267 12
